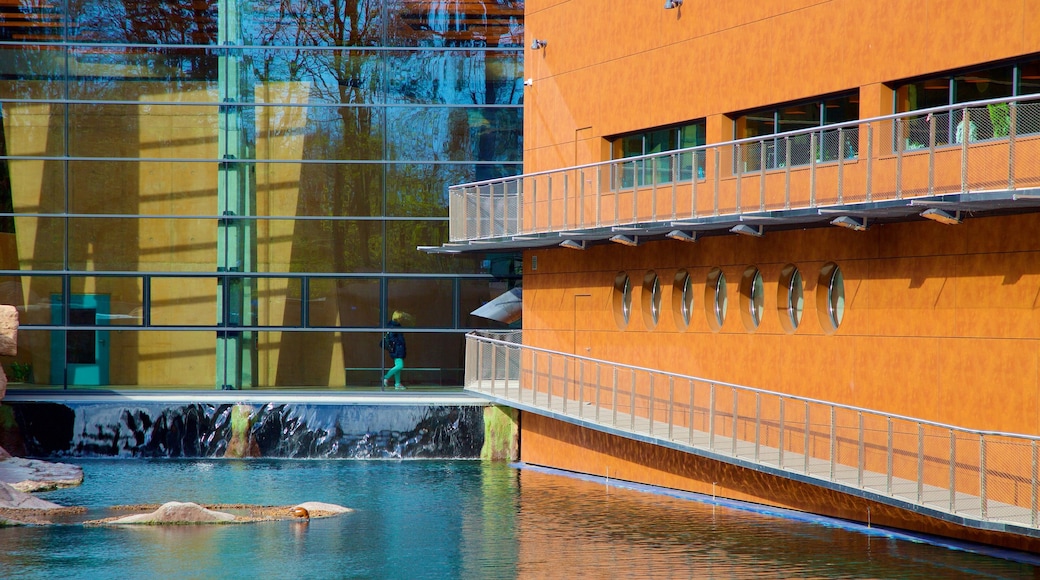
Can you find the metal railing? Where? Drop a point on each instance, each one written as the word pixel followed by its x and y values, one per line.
pixel 980 476
pixel 979 146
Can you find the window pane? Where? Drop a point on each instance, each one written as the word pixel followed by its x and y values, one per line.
pixel 315 76
pixel 470 77
pixel 345 302
pixel 402 255
pixel 421 23
pixel 144 22
pixel 312 23
pixel 474 293
pixel 453 134
pixel 1029 78
pixel 429 300
pixel 981 85
pixel 183 301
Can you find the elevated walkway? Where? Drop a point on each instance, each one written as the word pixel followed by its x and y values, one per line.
pixel 985 480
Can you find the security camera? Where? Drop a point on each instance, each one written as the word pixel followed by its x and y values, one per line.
pixel 528 82
pixel 669 4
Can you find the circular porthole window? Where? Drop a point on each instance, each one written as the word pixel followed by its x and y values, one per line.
pixel 682 298
pixel 752 298
pixel 715 299
pixel 790 298
pixel 830 297
pixel 622 300
pixel 651 299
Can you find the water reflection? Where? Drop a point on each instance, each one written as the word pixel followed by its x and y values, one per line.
pixel 450 519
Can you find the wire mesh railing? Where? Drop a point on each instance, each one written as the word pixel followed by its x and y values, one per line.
pixel 977 475
pixel 979 146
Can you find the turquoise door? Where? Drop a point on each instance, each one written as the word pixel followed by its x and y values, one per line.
pixel 80 357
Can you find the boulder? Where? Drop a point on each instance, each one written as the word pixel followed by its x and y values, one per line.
pixel 242 443
pixel 30 475
pixel 176 512
pixel 8 332
pixel 11 498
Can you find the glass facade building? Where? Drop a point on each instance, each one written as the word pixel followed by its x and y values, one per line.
pixel 230 193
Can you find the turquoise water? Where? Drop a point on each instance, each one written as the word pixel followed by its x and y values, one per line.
pixel 449 519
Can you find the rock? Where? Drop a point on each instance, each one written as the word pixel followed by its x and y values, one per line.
pixel 175 512
pixel 316 507
pixel 11 498
pixel 30 475
pixel 8 333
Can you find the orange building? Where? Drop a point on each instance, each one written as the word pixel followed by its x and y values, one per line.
pixel 913 125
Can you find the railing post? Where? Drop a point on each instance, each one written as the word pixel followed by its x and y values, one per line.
pixel 787 173
pixel 920 463
pixel 814 142
pixel 599 193
pixel 650 406
pixel 965 137
pixel 841 166
pixel 693 184
pixel 566 201
pixel 780 443
pixel 549 203
pixel 492 207
pixel 519 206
pixel 736 417
pixel 1012 130
pixel 581 387
pixel 834 441
pixel 758 425
pixel 675 185
pixel 718 172
pixel 632 415
pixel 899 157
pixel 549 385
pixel 616 183
pixel 762 177
pixel 861 462
pixel 691 417
pixel 1033 476
pixel 671 406
pixel 581 198
pixel 711 418
pixel 870 160
pixel 614 404
pixel 534 205
pixel 635 189
pixel 890 468
pixel 739 173
pixel 982 474
pixel 479 347
pixel 805 443
pixel 931 154
pixel 599 388
pixel 566 382
pixel 534 379
pixel 653 190
pixel 494 365
pixel 953 471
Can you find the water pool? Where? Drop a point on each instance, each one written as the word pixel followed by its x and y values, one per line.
pixel 448 519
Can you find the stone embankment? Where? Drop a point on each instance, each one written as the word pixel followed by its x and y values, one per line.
pixel 20 476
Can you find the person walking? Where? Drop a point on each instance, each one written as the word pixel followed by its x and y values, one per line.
pixel 394 345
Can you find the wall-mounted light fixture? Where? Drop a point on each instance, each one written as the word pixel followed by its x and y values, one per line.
pixel 941 216
pixel 538 44
pixel 669 4
pixel 682 236
pixel 625 240
pixel 573 244
pixel 746 230
pixel 852 223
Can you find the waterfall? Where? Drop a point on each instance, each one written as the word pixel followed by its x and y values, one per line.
pixel 280 430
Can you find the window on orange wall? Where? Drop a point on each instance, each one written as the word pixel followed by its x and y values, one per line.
pixel 662 169
pixel 797 149
pixel 986 121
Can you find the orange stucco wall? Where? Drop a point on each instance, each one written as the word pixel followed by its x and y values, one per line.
pixel 612 70
pixel 941 322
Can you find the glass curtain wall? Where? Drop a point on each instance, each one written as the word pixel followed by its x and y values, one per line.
pixel 230 193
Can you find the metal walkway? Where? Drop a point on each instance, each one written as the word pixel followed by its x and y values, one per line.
pixel 978 479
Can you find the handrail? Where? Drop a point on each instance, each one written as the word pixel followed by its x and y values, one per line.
pixel 866 160
pixel 958 474
pixel 478 335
